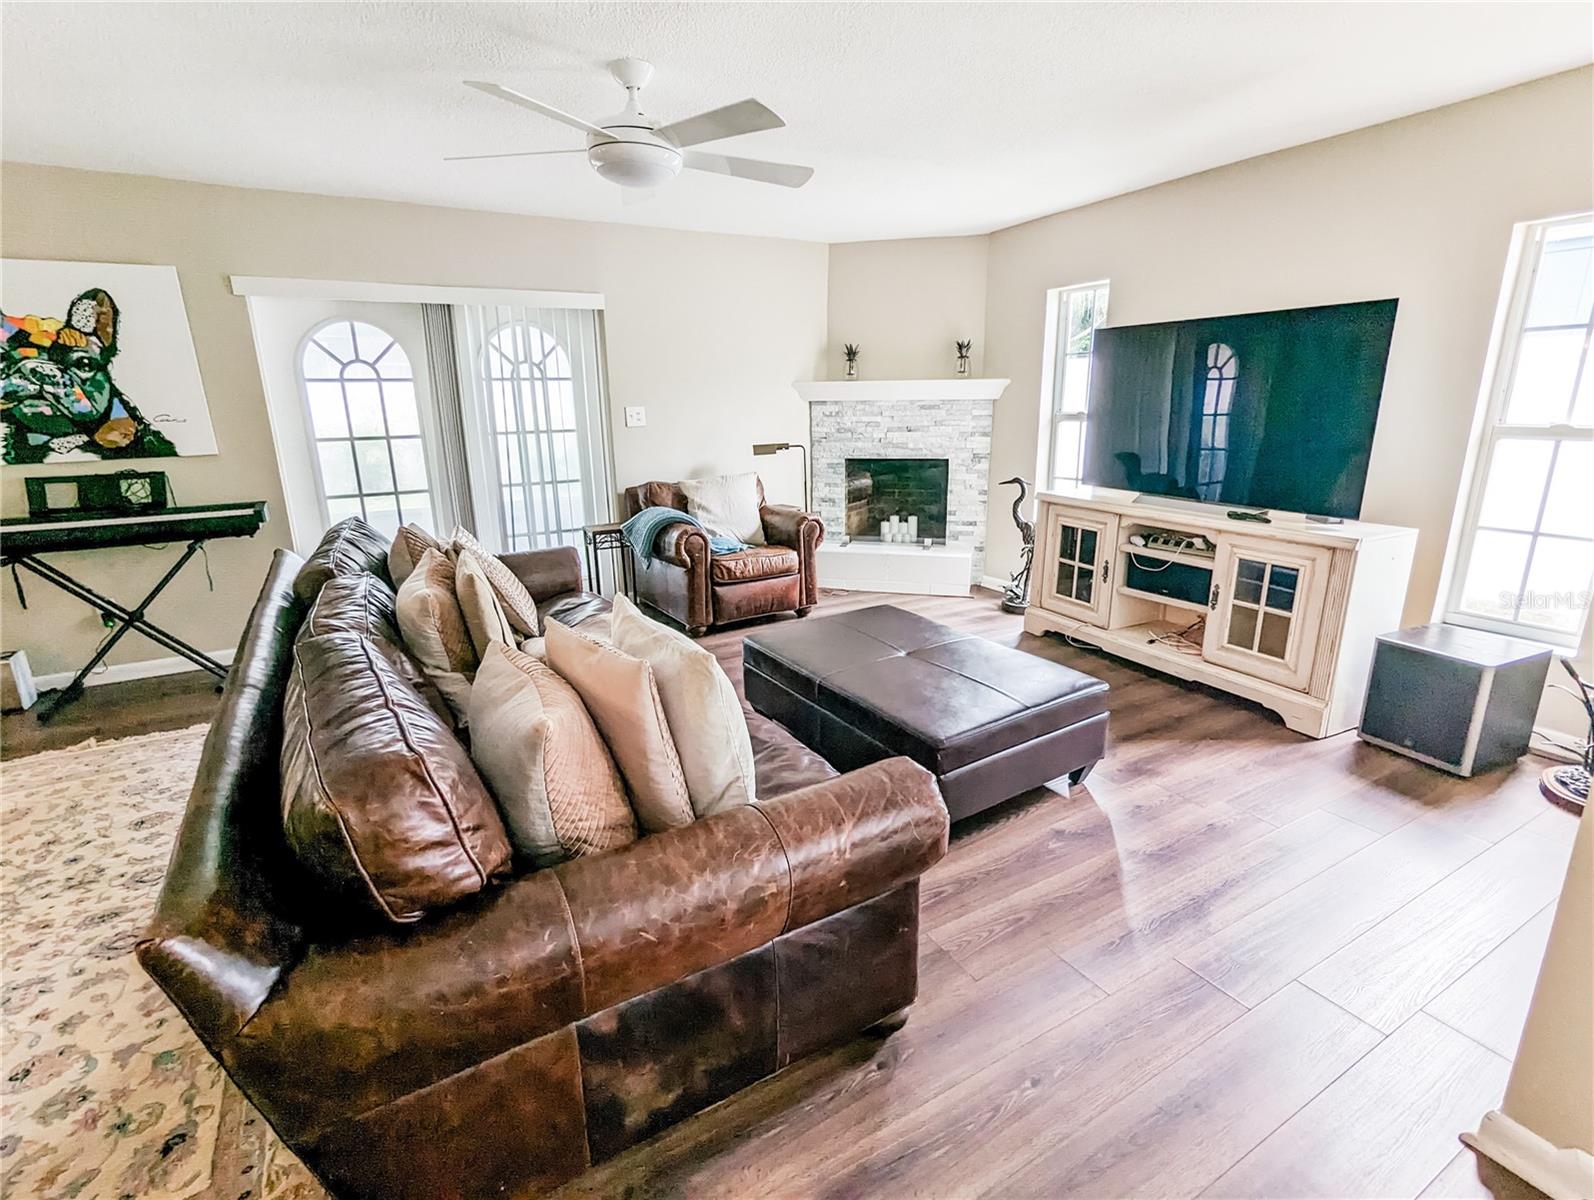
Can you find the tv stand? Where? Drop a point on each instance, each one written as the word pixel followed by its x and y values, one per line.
pixel 1290 607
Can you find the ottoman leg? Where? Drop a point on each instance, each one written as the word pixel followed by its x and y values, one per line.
pixel 889 1024
pixel 1078 775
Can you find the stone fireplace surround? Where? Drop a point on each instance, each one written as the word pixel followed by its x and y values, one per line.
pixel 915 418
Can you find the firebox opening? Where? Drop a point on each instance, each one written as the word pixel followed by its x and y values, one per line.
pixel 881 488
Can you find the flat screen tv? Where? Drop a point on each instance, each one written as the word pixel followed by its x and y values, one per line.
pixel 1260 410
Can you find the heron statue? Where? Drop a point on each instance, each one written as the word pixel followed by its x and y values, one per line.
pixel 1015 596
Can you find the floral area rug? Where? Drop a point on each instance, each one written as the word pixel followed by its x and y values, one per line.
pixel 107 1094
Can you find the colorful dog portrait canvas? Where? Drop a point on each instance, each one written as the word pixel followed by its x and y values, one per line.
pixel 97 363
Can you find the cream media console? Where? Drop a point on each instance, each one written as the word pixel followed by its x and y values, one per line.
pixel 1284 613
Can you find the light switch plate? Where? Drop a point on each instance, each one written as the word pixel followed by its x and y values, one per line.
pixel 635 418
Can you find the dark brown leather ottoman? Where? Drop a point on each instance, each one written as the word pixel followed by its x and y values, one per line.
pixel 988 720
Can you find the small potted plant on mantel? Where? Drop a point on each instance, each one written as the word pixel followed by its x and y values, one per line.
pixel 963 357
pixel 850 351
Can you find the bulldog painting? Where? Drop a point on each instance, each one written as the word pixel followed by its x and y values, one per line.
pixel 57 393
pixel 97 363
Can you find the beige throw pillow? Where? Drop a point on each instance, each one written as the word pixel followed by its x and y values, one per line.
pixel 704 715
pixel 434 629
pixel 519 607
pixel 409 544
pixel 534 743
pixel 727 505
pixel 484 615
pixel 619 692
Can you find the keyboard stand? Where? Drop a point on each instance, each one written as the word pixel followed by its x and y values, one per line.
pixel 109 609
pixel 25 540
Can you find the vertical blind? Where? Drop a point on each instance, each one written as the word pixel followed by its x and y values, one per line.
pixel 437 320
pixel 535 416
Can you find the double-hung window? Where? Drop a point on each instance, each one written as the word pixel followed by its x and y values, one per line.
pixel 1074 314
pixel 1525 554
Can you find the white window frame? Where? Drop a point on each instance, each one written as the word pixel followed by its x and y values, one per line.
pixel 1500 369
pixel 430 451
pixel 1053 374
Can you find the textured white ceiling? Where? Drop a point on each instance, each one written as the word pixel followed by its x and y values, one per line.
pixel 921 119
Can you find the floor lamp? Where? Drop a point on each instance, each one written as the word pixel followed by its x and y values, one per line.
pixel 762 448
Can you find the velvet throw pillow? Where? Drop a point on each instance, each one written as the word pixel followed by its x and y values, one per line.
pixel 478 603
pixel 701 706
pixel 544 761
pixel 409 544
pixel 518 605
pixel 434 629
pixel 727 505
pixel 379 799
pixel 619 692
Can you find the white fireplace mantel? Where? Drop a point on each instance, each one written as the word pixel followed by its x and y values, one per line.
pixel 879 390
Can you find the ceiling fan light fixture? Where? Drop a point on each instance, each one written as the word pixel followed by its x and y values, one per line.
pixel 635 164
pixel 633 150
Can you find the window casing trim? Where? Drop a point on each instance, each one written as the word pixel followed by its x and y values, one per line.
pixel 1053 356
pixel 1489 429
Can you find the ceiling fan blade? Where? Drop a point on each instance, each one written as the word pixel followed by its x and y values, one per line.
pixel 745 116
pixel 784 174
pixel 537 106
pixel 510 154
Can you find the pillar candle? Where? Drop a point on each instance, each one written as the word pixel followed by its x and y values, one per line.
pixel 913 529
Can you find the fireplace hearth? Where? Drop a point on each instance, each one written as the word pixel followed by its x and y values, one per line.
pixel 878 489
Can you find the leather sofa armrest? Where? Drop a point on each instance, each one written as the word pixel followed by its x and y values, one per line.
pixel 546 572
pixel 226 927
pixel 858 835
pixel 683 545
pixel 788 525
pixel 677 902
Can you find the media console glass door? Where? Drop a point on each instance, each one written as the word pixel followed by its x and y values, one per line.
pixel 1266 607
pixel 1073 570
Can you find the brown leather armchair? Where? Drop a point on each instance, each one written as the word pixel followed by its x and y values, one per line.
pixel 700 589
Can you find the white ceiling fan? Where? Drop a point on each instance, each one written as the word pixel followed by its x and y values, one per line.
pixel 635 151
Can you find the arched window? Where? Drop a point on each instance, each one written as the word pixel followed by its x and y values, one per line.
pixel 1217 397
pixel 366 426
pixel 536 436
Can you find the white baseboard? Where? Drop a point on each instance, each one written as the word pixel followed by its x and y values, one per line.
pixel 1561 1174
pixel 995 584
pixel 147 668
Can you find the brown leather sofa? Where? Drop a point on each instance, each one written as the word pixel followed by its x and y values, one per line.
pixel 499 1047
pixel 700 589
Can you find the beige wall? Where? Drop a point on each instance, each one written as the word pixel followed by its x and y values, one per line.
pixel 905 304
pixel 1420 208
pixel 706 331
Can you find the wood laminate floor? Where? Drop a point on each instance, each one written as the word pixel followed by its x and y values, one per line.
pixel 1236 963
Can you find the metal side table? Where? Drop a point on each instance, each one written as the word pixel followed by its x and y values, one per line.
pixel 610 536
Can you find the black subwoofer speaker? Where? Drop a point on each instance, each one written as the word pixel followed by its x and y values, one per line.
pixel 1457 699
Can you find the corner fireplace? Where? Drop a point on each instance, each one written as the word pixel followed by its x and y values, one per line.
pixel 878 489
